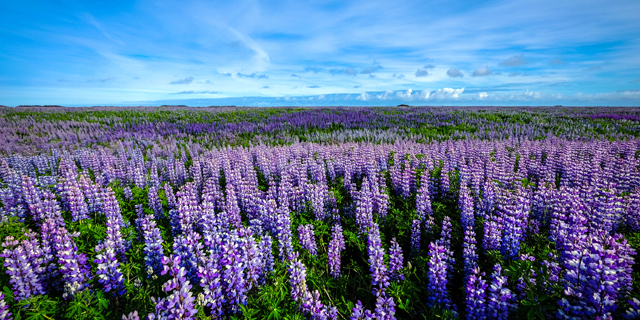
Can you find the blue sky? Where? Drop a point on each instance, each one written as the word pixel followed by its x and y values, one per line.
pixel 534 52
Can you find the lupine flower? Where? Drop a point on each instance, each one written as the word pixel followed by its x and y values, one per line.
pixel 364 208
pixel 266 253
pixel 233 266
pixel 476 295
pixel 108 270
pixel 359 313
pixel 379 276
pixel 72 265
pixel 209 273
pixel 465 203
pixel 128 194
pixel 283 234
pixel 336 245
pixel 188 247
pixel 437 275
pixel 469 253
pixel 180 303
pixel 499 297
pixel 23 267
pixel 171 198
pixel 153 250
pixel 297 279
pixel 154 203
pixel 4 309
pixel 423 198
pixel 598 272
pixel 395 261
pixel 632 313
pixel 416 233
pixel 114 223
pixel 132 316
pixel 385 308
pixel 307 238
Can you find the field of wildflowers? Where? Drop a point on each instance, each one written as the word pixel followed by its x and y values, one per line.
pixel 319 213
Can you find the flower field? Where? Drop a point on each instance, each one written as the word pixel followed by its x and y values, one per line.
pixel 319 213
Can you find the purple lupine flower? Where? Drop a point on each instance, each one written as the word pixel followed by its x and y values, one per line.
pixel 395 261
pixel 465 203
pixel 416 233
pixel 128 194
pixel 385 308
pixel 31 198
pixel 283 234
pixel 632 217
pixel 438 293
pixel 115 221
pixel 232 209
pixel 180 303
pixel 307 238
pixel 499 298
pixel 359 313
pixel 336 245
pixel 364 208
pixel 469 253
pixel 632 313
pixel 73 265
pixel 22 261
pixel 188 247
pixel 154 203
pixel 423 198
pixel 185 216
pixel 210 280
pixel 379 275
pixel 476 295
pixel 4 309
pixel 153 251
pixel 233 272
pixel 598 272
pixel 171 198
pixel 492 233
pixel 429 224
pixel 77 204
pixel 266 252
pixel 132 316
pixel 108 271
pixel 516 214
pixel 297 279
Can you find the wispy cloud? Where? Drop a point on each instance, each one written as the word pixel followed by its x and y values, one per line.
pixel 295 76
pixel 556 62
pixel 481 72
pixel 347 71
pixel 372 69
pixel 513 61
pixel 313 69
pixel 313 87
pixel 197 92
pixel 265 87
pixel 253 76
pixel 399 76
pixel 186 80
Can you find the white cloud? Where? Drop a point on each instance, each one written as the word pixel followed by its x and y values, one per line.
pixel 482 95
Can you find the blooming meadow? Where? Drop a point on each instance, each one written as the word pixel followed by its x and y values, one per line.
pixel 319 213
